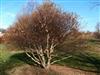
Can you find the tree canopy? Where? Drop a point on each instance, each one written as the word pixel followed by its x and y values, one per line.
pixel 41 31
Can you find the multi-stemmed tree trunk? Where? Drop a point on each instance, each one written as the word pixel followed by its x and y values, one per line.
pixel 39 32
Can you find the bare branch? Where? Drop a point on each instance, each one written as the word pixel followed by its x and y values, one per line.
pixel 40 30
pixel 61 59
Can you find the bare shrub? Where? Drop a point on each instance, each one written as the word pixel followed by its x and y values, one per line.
pixel 41 31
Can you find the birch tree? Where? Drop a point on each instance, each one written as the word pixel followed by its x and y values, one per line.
pixel 41 31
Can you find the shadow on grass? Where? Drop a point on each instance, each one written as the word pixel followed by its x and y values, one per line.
pixel 95 41
pixel 88 58
pixel 21 59
pixel 82 61
pixel 15 60
pixel 8 64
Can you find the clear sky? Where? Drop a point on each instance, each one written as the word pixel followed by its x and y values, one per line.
pixel 87 10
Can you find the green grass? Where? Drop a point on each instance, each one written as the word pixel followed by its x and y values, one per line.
pixel 4 53
pixel 88 61
pixel 9 60
pixel 6 62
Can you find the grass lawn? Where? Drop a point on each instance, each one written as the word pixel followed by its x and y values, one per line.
pixel 6 62
pixel 89 61
pixel 10 60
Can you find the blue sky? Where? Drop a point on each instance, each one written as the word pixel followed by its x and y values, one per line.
pixel 87 10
